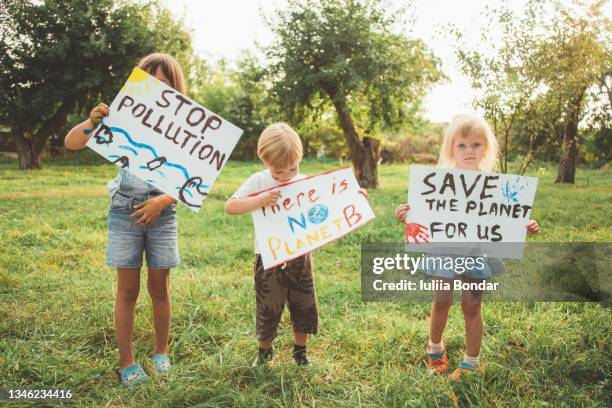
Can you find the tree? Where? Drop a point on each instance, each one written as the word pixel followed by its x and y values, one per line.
pixel 242 95
pixel 506 75
pixel 58 58
pixel 535 86
pixel 344 52
pixel 580 46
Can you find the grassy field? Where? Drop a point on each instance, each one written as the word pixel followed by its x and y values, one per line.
pixel 56 308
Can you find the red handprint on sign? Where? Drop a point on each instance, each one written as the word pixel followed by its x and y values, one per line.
pixel 416 232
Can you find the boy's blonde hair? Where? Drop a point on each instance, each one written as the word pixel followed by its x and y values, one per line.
pixel 169 66
pixel 279 146
pixel 462 126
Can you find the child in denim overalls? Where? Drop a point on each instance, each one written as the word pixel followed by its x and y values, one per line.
pixel 141 220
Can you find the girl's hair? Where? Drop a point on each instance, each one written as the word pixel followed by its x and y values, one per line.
pixel 462 126
pixel 279 146
pixel 169 66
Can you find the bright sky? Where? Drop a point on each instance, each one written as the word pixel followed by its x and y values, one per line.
pixel 222 29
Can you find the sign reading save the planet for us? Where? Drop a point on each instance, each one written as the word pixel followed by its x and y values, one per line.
pixel 310 213
pixel 464 207
pixel 165 139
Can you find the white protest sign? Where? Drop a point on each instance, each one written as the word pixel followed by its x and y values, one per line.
pixel 468 209
pixel 165 139
pixel 311 212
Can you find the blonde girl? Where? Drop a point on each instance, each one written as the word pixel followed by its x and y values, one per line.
pixel 469 144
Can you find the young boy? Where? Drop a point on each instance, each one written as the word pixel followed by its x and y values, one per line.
pixel 280 149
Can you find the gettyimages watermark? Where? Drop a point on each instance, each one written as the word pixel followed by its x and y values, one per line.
pixel 547 272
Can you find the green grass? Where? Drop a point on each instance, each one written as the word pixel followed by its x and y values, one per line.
pixel 56 308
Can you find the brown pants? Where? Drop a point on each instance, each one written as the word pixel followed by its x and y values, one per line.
pixel 293 284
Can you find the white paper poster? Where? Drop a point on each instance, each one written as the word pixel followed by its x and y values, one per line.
pixel 165 139
pixel 310 213
pixel 466 208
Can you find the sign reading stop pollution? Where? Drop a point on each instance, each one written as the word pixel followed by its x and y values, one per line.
pixel 483 213
pixel 165 138
pixel 311 212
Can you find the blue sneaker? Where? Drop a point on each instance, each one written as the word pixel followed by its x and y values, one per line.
pixel 133 375
pixel 161 363
pixel 466 370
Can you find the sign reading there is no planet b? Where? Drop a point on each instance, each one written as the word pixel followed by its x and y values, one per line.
pixel 311 212
pixel 165 138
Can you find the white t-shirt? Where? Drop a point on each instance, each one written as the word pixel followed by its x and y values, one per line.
pixel 257 182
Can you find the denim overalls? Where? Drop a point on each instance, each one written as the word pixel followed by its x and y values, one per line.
pixel 126 240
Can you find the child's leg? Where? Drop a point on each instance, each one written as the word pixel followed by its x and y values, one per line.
pixel 298 277
pixel 436 354
pixel 270 298
pixel 443 300
pixel 158 284
pixel 471 307
pixel 264 344
pixel 439 317
pixel 128 286
pixel 470 304
pixel 300 338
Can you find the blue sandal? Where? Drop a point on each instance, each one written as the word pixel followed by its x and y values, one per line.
pixel 133 375
pixel 161 362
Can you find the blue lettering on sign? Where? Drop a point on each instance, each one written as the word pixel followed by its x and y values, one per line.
pixel 316 215
pixel 292 221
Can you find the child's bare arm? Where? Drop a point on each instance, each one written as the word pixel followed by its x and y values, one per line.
pixel 237 206
pixel 76 139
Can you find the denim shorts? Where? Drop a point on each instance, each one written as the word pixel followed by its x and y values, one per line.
pixel 127 241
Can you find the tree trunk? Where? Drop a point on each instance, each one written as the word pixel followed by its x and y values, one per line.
pixel 31 143
pixel 364 155
pixel 29 150
pixel 369 172
pixel 569 156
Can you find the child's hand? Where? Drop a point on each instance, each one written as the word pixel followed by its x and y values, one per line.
pixel 532 227
pixel 97 113
pixel 269 198
pixel 150 210
pixel 401 212
pixel 364 193
pixel 417 232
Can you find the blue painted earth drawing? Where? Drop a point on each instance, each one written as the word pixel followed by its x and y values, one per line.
pixel 510 192
pixel 317 214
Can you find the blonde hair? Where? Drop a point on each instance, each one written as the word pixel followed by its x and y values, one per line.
pixel 169 66
pixel 462 126
pixel 279 145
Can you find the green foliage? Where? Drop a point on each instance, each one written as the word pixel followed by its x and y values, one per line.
pixel 529 100
pixel 347 49
pixel 579 41
pixel 597 146
pixel 345 54
pixel 60 57
pixel 414 147
pixel 241 95
pixel 322 137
